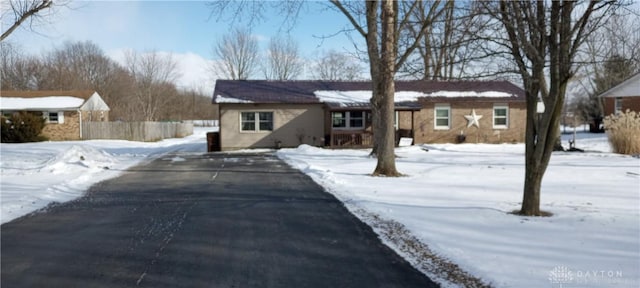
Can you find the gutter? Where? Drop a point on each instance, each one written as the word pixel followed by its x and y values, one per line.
pixel 80 118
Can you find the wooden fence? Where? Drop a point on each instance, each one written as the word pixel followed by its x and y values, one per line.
pixel 135 131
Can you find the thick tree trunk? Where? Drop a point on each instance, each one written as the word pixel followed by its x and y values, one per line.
pixel 383 94
pixel 383 128
pixel 531 198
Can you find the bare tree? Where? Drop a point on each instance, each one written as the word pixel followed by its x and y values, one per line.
pixel 384 21
pixel 198 105
pixel 334 65
pixel 83 65
pixel 154 76
pixel 18 71
pixel 450 46
pixel 543 39
pixel 16 12
pixel 238 52
pixel 283 59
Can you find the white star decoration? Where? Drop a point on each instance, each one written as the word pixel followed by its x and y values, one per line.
pixel 473 119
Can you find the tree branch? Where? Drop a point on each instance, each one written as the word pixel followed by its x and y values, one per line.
pixel 21 16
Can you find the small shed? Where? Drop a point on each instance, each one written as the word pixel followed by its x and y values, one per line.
pixel 64 111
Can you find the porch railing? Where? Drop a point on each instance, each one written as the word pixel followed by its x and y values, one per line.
pixel 360 139
pixel 351 139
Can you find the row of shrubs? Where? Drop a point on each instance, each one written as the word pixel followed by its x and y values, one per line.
pixel 22 127
pixel 623 130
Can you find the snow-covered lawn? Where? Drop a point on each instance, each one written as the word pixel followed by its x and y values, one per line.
pixel 32 175
pixel 455 198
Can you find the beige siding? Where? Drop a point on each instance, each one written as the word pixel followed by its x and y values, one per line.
pixel 425 131
pixel 294 124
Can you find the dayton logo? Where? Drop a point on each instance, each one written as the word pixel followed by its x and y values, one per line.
pixel 560 275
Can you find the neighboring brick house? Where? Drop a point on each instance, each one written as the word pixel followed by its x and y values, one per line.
pixel 268 114
pixel 623 96
pixel 64 111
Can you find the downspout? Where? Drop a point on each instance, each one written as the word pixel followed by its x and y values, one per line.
pixel 80 118
pixel 413 128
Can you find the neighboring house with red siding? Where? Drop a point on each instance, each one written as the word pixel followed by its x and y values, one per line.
pixel 64 111
pixel 622 97
pixel 268 114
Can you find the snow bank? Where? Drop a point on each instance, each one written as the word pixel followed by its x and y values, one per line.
pixel 37 174
pixel 32 181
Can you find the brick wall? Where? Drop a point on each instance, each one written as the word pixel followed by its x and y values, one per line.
pixel 425 131
pixel 69 130
pixel 631 103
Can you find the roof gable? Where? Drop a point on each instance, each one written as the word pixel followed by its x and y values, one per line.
pixel 94 103
pixel 629 87
pixel 300 92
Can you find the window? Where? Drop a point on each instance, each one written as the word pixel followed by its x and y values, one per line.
pixel 500 116
pixel 442 117
pixel 338 119
pixel 356 119
pixel 53 117
pixel 348 119
pixel 256 121
pixel 617 105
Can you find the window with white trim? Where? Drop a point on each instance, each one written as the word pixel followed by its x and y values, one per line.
pixel 53 117
pixel 617 105
pixel 348 119
pixel 256 121
pixel 442 117
pixel 500 116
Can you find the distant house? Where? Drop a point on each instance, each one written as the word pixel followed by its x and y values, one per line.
pixel 63 111
pixel 623 96
pixel 268 114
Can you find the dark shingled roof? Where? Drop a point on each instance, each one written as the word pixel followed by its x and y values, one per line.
pixel 302 92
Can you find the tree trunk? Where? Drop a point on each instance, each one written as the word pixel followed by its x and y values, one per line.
pixel 383 126
pixel 531 198
pixel 383 94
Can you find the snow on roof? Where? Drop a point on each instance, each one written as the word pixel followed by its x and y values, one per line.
pixel 222 99
pixel 362 96
pixel 40 103
pixel 401 96
pixel 455 94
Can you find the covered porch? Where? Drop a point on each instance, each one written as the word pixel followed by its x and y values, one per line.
pixel 350 126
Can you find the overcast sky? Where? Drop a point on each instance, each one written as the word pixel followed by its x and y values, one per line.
pixel 182 28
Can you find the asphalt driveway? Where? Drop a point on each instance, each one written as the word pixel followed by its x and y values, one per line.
pixel 201 220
